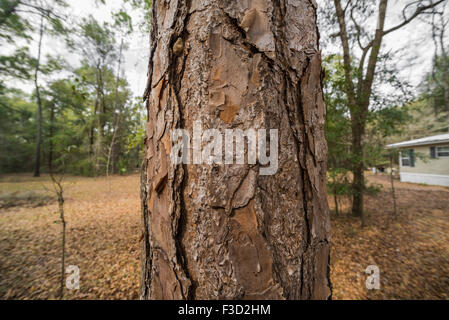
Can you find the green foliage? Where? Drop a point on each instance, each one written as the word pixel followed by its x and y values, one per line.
pixel 338 124
pixel 17 131
pixel 73 102
pixel 338 183
pixel 16 65
pixel 337 129
pixel 97 41
pixel 382 123
pixel 89 112
pixel 12 24
pixel 373 189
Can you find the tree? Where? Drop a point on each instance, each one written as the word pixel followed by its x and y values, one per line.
pixel 230 231
pixel 382 122
pixel 351 18
pixel 99 50
pixel 123 23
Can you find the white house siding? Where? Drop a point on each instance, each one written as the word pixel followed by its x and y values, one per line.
pixel 426 171
pixel 432 179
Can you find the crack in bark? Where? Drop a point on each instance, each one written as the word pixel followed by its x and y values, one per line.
pixel 181 220
pixel 146 249
pixel 250 46
pixel 153 42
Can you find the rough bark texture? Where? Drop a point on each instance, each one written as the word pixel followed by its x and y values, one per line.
pixel 224 231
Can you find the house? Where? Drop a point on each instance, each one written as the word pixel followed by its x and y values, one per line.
pixel 424 160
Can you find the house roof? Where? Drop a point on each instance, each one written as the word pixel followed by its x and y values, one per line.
pixel 441 138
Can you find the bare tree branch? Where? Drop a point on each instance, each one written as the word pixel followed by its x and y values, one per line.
pixel 418 11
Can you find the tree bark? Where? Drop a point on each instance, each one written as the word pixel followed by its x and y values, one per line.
pixel 226 231
pixel 358 165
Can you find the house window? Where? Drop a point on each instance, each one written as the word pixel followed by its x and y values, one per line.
pixel 443 151
pixel 405 158
pixel 408 158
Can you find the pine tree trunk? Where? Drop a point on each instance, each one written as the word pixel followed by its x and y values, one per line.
pixel 226 231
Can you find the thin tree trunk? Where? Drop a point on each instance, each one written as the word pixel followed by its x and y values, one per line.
pixel 37 163
pixel 336 203
pixel 63 222
pixel 393 192
pixel 226 231
pixel 99 109
pixel 92 130
pixel 59 190
pixel 50 142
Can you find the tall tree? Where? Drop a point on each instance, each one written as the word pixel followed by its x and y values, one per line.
pixel 123 23
pixel 227 231
pixel 352 20
pixel 98 46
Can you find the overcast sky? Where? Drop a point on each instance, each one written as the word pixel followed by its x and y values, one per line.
pixel 414 38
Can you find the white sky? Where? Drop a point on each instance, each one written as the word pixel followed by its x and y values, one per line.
pixel 415 38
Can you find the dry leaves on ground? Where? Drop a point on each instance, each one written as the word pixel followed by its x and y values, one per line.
pixel 411 250
pixel 103 230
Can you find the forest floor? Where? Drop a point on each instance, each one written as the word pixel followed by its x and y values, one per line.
pixel 103 233
pixel 411 250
